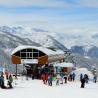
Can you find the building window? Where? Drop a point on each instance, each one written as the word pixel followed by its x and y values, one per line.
pixel 24 50
pixel 23 55
pixel 29 54
pixel 29 50
pixel 35 55
pixel 34 50
pixel 17 53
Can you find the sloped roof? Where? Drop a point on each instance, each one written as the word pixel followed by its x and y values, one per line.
pixel 43 49
pixel 64 64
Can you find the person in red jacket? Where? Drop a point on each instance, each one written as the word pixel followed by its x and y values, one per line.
pixel 43 78
pixel 46 78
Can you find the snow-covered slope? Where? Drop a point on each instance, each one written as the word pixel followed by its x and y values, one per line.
pixel 11 37
pixel 7 43
pixel 36 89
pixel 10 40
pixel 40 36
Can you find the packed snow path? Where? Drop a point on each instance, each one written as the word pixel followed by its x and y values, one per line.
pixel 36 89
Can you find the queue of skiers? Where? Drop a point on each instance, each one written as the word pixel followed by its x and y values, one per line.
pixel 60 78
pixel 9 81
pixel 48 78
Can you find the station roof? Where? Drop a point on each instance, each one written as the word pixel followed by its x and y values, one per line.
pixel 64 64
pixel 42 49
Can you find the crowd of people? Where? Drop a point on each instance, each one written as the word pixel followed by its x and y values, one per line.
pixel 48 78
pixel 9 79
pixel 59 78
pixel 63 78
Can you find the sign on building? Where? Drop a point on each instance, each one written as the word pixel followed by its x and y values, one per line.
pixel 29 61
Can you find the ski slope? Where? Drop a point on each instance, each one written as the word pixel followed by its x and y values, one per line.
pixel 36 89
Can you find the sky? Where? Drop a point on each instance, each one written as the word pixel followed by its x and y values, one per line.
pixel 64 16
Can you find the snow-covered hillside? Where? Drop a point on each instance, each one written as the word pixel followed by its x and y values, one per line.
pixel 39 36
pixel 7 43
pixel 87 50
pixel 10 40
pixel 11 37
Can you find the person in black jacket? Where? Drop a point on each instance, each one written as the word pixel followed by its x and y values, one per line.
pixel 2 82
pixel 82 82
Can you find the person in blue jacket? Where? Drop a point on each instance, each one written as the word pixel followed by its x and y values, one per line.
pixel 95 78
pixel 50 80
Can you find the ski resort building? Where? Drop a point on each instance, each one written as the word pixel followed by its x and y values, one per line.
pixel 33 57
pixel 67 67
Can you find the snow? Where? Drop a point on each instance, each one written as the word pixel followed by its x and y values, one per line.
pixel 43 49
pixel 36 89
pixel 83 71
pixel 87 57
pixel 64 64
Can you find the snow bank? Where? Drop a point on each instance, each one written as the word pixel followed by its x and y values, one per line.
pixel 83 71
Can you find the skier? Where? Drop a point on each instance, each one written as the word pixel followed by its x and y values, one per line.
pixel 32 75
pixel 95 78
pixel 70 77
pixel 58 79
pixel 43 78
pixel 10 80
pixel 81 76
pixel 65 78
pixel 61 78
pixel 50 80
pixel 46 78
pixel 73 76
pixel 86 78
pixel 2 82
pixel 82 82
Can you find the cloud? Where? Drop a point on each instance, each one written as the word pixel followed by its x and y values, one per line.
pixel 49 3
pixel 33 3
pixel 59 19
pixel 88 3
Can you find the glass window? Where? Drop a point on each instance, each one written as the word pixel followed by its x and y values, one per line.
pixel 24 50
pixel 17 53
pixel 23 54
pixel 41 54
pixel 34 50
pixel 35 54
pixel 30 55
pixel 29 50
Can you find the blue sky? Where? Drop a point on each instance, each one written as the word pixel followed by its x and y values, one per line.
pixel 54 15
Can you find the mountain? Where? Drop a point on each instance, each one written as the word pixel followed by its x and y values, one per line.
pixel 93 52
pixel 82 61
pixel 10 40
pixel 11 37
pixel 90 51
pixel 36 35
pixel 7 43
pixel 78 49
pixel 7 29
